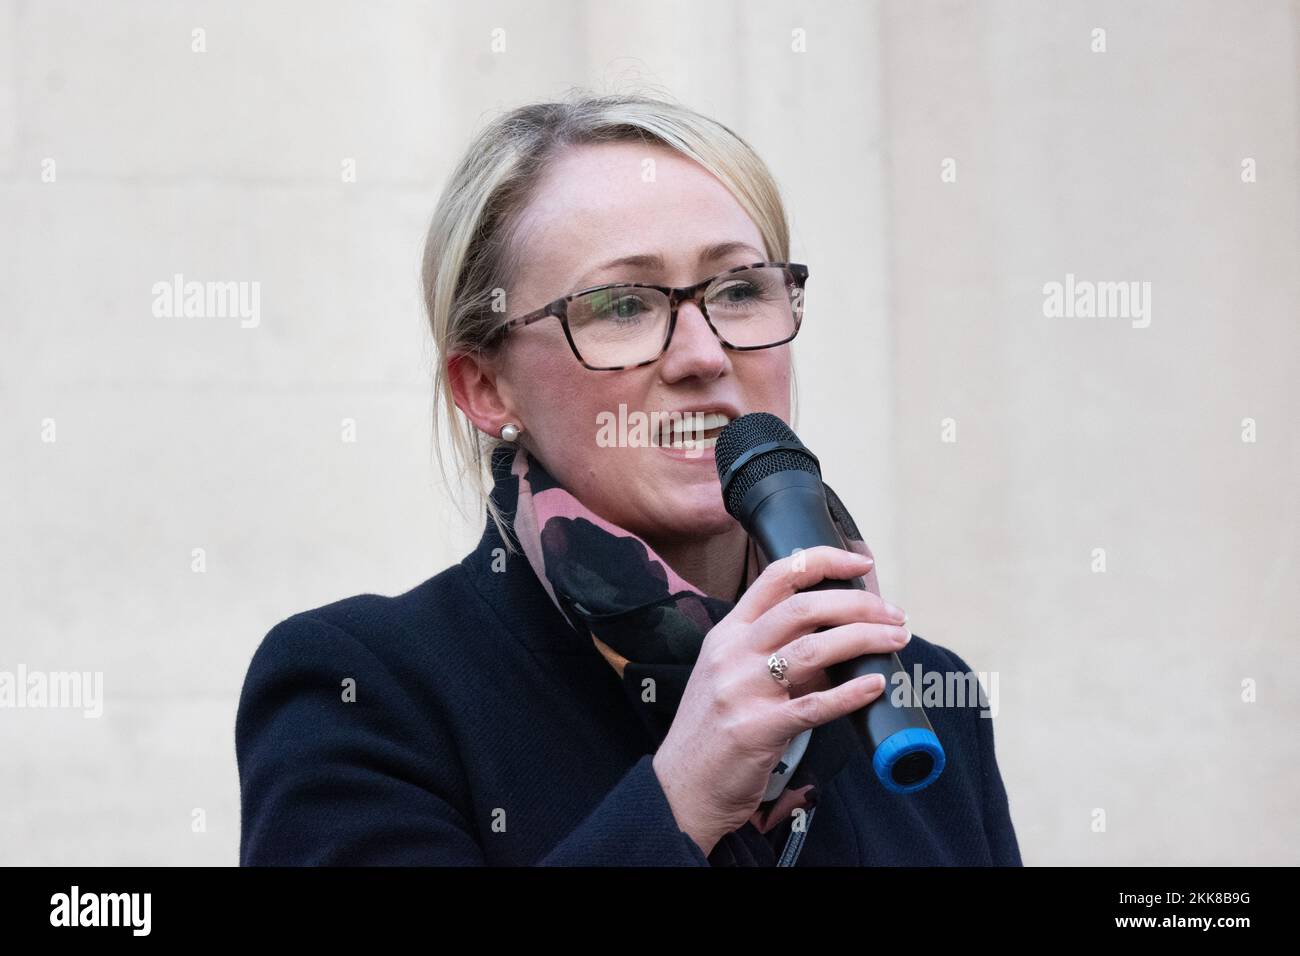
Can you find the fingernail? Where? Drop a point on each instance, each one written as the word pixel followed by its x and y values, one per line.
pixel 894 611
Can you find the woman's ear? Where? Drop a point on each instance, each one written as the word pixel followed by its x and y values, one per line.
pixel 474 387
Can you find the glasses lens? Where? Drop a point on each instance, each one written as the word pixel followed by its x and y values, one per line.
pixel 756 307
pixel 619 326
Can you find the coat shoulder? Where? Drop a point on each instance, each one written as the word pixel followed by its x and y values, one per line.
pixel 388 627
pixel 932 656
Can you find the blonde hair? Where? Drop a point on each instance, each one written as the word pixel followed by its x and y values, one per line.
pixel 470 253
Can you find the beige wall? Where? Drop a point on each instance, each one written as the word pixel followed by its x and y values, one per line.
pixel 1118 690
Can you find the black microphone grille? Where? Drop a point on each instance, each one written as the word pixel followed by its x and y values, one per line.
pixel 749 432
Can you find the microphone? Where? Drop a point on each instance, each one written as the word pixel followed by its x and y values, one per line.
pixel 772 485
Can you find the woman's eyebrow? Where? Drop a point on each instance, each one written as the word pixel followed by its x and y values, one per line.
pixel 719 250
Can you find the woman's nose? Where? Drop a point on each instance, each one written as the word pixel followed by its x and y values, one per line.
pixel 694 349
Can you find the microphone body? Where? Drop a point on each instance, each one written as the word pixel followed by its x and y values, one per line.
pixel 787 511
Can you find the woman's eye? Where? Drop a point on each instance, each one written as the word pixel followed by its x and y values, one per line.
pixel 627 307
pixel 739 292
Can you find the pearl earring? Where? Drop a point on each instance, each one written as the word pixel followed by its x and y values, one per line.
pixel 509 431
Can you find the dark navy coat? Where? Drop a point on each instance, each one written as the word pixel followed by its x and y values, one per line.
pixel 465 722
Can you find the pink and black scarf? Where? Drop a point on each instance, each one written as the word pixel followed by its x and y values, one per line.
pixel 649 622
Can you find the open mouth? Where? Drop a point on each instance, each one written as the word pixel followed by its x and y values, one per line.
pixel 695 430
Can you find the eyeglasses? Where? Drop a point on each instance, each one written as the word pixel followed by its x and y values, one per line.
pixel 630 324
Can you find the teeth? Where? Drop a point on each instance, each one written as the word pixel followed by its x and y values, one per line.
pixel 688 425
pixel 690 421
pixel 692 443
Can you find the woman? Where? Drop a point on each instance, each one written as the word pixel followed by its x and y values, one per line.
pixel 612 677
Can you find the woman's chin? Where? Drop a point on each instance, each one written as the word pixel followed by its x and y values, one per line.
pixel 680 501
pixel 696 519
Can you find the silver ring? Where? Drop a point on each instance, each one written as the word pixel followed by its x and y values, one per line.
pixel 776 666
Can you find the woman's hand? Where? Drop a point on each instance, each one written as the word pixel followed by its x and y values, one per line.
pixel 735 721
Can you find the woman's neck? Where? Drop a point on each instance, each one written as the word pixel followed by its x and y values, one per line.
pixel 713 564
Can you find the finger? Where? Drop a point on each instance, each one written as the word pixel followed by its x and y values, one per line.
pixel 808 611
pixel 808 655
pixel 792 574
pixel 812 710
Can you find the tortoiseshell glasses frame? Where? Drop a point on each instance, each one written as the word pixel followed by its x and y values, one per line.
pixel 797 275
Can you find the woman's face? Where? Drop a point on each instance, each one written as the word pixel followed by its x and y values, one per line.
pixel 595 206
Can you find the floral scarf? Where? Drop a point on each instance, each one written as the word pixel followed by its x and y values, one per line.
pixel 649 623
